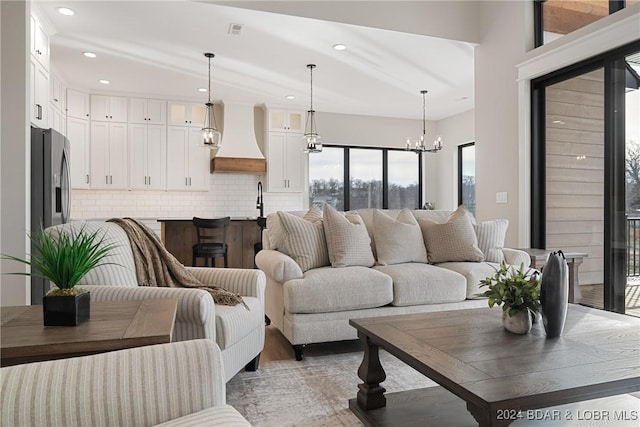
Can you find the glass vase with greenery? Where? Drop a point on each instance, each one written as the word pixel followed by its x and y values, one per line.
pixel 64 258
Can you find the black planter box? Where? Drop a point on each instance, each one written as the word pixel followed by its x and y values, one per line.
pixel 66 310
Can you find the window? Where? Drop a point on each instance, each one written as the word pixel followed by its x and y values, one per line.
pixel 555 18
pixel 382 178
pixel 467 176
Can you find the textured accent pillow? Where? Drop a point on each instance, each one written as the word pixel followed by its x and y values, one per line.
pixel 452 241
pixel 274 227
pixel 398 240
pixel 491 236
pixel 303 241
pixel 348 241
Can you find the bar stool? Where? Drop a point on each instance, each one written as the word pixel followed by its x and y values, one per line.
pixel 212 240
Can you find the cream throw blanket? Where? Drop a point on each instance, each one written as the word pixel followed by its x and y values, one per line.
pixel 156 266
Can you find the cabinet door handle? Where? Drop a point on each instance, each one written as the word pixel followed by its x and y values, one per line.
pixel 149 180
pixel 87 178
pixel 106 179
pixel 186 181
pixel 38 111
pixel 87 114
pixel 110 179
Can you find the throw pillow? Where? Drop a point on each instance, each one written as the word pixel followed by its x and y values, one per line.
pixel 452 241
pixel 491 236
pixel 348 241
pixel 398 240
pixel 274 227
pixel 303 241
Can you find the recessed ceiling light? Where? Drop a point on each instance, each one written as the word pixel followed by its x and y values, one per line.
pixel 104 81
pixel 202 89
pixel 89 54
pixel 66 11
pixel 290 97
pixel 339 46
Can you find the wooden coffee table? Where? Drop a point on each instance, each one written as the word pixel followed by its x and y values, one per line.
pixel 496 376
pixel 113 326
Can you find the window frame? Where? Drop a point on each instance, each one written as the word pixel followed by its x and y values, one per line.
pixel 385 173
pixel 461 147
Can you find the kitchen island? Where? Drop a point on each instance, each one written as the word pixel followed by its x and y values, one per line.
pixel 179 236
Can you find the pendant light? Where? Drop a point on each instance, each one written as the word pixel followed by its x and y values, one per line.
pixel 313 141
pixel 210 134
pixel 420 146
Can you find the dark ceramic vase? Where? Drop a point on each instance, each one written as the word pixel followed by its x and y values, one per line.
pixel 66 310
pixel 554 294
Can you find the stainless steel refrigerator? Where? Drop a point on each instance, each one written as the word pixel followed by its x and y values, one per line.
pixel 50 190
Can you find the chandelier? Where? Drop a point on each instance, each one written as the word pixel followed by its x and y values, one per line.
pixel 210 133
pixel 420 146
pixel 313 141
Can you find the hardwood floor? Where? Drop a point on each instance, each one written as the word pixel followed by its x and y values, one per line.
pixel 276 347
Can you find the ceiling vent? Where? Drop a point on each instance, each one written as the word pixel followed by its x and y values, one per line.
pixel 235 29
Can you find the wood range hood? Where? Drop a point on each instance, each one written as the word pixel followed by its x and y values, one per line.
pixel 239 152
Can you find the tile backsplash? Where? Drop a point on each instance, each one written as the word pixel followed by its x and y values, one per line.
pixel 229 195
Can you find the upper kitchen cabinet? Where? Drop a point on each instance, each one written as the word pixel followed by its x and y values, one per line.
pixel 58 93
pixel 109 108
pixel 147 111
pixel 186 114
pixel 187 159
pixel 285 162
pixel 108 155
pixel 285 121
pixel 39 41
pixel 78 136
pixel 77 104
pixel 147 156
pixel 39 101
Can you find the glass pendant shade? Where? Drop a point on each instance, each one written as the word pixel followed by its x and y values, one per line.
pixel 420 145
pixel 211 136
pixel 312 141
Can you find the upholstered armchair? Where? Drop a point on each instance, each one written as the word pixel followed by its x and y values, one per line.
pixel 177 384
pixel 238 331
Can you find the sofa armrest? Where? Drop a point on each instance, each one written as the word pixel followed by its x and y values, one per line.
pixel 280 267
pixel 516 257
pixel 139 386
pixel 242 281
pixel 195 312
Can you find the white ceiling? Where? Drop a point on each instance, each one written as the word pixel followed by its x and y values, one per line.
pixel 155 49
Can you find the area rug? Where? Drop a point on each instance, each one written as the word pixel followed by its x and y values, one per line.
pixel 315 393
pixel 312 393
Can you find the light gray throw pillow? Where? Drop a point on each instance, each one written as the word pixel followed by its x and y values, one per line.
pixel 303 241
pixel 491 236
pixel 348 241
pixel 399 239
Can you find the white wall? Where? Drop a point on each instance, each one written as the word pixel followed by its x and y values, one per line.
pixel 442 168
pixel 505 40
pixel 14 148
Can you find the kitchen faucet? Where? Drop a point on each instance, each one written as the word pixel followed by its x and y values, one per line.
pixel 259 203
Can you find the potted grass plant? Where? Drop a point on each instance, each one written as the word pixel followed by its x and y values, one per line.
pixel 518 292
pixel 64 257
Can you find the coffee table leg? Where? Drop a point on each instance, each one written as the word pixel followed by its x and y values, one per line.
pixel 371 393
pixel 488 419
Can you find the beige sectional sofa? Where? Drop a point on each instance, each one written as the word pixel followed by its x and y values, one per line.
pixel 405 262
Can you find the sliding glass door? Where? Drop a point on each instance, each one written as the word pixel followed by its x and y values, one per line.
pixel 585 184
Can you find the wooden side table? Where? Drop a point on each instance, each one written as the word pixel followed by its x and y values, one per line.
pixel 574 259
pixel 113 326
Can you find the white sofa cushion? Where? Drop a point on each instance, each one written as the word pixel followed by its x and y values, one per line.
pixel 234 322
pixel 454 240
pixel 415 284
pixel 491 236
pixel 303 241
pixel 330 289
pixel 348 241
pixel 398 240
pixel 474 272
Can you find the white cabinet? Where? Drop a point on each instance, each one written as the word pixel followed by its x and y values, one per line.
pixel 39 42
pixel 147 156
pixel 147 111
pixel 78 136
pixel 285 121
pixel 77 104
pixel 285 162
pixel 109 108
pixel 39 94
pixel 57 119
pixel 108 155
pixel 187 159
pixel 58 93
pixel 185 114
